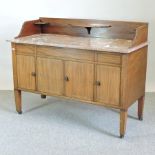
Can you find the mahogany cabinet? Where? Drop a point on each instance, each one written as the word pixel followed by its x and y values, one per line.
pixel 94 61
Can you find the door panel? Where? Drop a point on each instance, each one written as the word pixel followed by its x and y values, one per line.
pixel 80 80
pixel 50 76
pixel 25 68
pixel 108 84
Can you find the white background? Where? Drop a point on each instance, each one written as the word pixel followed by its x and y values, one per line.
pixel 14 13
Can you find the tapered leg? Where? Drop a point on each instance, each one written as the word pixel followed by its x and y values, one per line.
pixel 123 120
pixel 43 96
pixel 18 101
pixel 140 107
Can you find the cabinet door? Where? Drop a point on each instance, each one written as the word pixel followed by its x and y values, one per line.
pixel 26 72
pixel 107 84
pixel 79 80
pixel 50 76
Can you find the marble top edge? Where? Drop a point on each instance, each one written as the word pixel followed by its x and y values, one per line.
pixel 65 41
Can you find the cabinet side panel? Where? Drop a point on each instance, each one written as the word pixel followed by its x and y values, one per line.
pixel 136 75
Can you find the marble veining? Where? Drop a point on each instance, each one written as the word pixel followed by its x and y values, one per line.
pixel 99 44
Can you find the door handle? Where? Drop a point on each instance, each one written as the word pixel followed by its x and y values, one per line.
pixel 33 74
pixel 66 78
pixel 98 83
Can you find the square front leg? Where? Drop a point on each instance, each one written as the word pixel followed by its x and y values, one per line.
pixel 18 103
pixel 140 107
pixel 123 120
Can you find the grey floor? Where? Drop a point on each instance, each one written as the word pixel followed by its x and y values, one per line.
pixel 61 127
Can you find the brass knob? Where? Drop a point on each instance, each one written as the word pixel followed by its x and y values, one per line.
pixel 98 83
pixel 66 78
pixel 33 74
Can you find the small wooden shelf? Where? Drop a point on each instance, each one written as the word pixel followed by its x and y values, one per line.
pixel 96 26
pixel 88 27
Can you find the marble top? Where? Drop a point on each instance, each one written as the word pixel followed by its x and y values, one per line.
pixel 66 41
